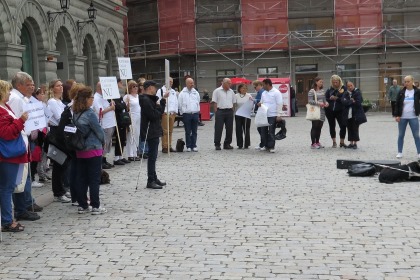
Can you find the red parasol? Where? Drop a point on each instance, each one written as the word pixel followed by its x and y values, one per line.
pixel 238 80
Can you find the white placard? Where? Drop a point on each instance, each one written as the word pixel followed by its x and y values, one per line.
pixel 109 87
pixel 36 117
pixel 246 109
pixel 167 74
pixel 124 65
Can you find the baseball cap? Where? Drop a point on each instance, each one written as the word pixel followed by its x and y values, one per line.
pixel 149 83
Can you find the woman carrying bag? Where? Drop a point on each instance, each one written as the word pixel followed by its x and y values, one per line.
pixel 316 96
pixel 11 129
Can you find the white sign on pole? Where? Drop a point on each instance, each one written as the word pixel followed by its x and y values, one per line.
pixel 167 74
pixel 109 87
pixel 36 117
pixel 124 65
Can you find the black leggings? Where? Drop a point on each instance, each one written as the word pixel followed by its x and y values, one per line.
pixel 331 117
pixel 316 131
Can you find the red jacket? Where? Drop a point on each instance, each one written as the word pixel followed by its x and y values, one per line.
pixel 10 128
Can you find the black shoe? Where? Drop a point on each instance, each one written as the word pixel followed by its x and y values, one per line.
pixel 125 160
pixel 280 136
pixel 144 156
pixel 165 150
pixel 218 148
pixel 349 146
pixel 227 147
pixel 153 185
pixel 131 159
pixel 119 162
pixel 343 145
pixel 200 124
pixel 160 183
pixel 28 216
pixel 172 150
pixel 355 146
pixel 106 166
pixel 36 208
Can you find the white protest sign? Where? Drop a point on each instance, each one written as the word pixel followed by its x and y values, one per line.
pixel 109 87
pixel 246 109
pixel 36 117
pixel 124 65
pixel 167 73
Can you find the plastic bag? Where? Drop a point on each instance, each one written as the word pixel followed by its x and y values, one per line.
pixel 261 116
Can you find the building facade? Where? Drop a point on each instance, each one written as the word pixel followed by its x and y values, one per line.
pixel 66 48
pixel 370 42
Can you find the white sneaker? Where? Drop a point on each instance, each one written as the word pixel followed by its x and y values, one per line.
pixel 188 149
pixel 399 155
pixel 68 195
pixel 257 147
pixel 98 211
pixel 263 149
pixel 36 184
pixel 272 150
pixel 81 210
pixel 195 149
pixel 63 199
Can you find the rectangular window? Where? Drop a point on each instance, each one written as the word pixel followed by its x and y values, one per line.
pixel 267 72
pixel 221 74
pixel 347 72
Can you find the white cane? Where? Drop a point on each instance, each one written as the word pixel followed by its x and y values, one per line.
pixel 142 155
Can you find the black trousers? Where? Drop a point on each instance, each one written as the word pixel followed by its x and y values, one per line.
pixel 268 139
pixel 57 179
pixel 122 130
pixel 242 129
pixel 331 117
pixel 316 131
pixel 353 129
pixel 393 107
pixel 224 117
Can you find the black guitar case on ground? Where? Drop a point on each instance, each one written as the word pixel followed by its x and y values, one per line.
pixel 345 164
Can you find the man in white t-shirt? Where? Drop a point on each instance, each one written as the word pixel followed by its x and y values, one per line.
pixel 168 117
pixel 25 206
pixel 273 100
pixel 106 114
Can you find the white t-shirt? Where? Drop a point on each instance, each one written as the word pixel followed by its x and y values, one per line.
pixel 56 107
pixel 134 103
pixel 99 104
pixel 241 99
pixel 408 110
pixel 272 99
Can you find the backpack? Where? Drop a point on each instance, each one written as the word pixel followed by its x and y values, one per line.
pixel 362 170
pixel 73 137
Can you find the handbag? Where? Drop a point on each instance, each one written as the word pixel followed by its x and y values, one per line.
pixel 313 112
pixel 12 148
pixel 74 138
pixel 261 116
pixel 125 118
pixel 56 155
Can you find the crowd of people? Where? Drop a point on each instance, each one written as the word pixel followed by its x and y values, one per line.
pixel 143 115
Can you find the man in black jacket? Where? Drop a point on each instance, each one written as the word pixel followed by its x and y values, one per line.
pixel 151 129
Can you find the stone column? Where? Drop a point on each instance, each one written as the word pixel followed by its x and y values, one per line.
pixel 10 60
pixel 99 69
pixel 47 65
pixel 77 68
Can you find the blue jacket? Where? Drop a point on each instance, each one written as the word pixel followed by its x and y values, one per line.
pixel 258 98
pixel 88 123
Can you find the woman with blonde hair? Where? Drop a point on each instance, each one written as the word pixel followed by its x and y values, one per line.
pixel 11 128
pixel 335 110
pixel 88 160
pixel 407 110
pixel 133 106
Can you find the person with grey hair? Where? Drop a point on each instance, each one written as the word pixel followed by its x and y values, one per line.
pixel 223 100
pixel 25 206
pixel 392 95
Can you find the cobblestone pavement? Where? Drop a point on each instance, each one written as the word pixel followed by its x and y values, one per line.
pixel 235 214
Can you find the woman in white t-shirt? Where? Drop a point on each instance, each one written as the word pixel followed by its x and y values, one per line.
pixel 406 112
pixel 133 136
pixel 242 123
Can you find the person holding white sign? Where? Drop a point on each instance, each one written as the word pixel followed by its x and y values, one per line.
pixel 242 123
pixel 133 136
pixel 169 115
pixel 105 112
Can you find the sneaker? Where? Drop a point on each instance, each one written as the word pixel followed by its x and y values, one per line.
pixel 98 211
pixel 36 184
pixel 399 155
pixel 272 150
pixel 63 199
pixel 35 208
pixel 257 147
pixel 319 145
pixel 188 149
pixel 263 149
pixel 314 146
pixel 28 216
pixel 82 210
pixel 68 195
pixel 195 149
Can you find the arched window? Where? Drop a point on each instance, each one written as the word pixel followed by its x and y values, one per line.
pixel 27 55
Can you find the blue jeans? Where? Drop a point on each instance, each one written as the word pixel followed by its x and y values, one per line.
pixel 414 125
pixel 151 162
pixel 143 147
pixel 268 139
pixel 190 125
pixel 8 173
pixel 24 199
pixel 88 174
